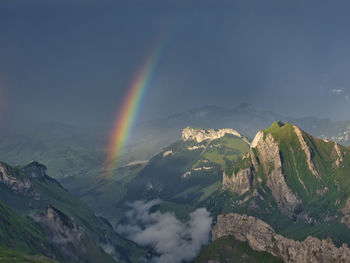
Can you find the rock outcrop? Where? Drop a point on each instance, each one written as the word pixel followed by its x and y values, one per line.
pixel 240 183
pixel 20 180
pixel 14 183
pixel 307 151
pixel 167 153
pixel 200 135
pixel 261 237
pixel 268 156
pixel 63 233
pixel 339 159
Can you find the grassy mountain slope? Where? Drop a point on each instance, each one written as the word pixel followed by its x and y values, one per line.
pixel 12 256
pixel 229 250
pixel 186 172
pixel 297 183
pixel 18 233
pixel 315 178
pixel 43 191
pixel 181 175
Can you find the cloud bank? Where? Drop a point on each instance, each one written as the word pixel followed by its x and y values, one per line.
pixel 174 240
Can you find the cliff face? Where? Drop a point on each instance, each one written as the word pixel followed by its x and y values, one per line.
pixel 270 159
pixel 14 183
pixel 70 239
pixel 261 237
pixel 240 183
pixel 200 135
pixel 264 152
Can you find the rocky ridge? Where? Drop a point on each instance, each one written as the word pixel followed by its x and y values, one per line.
pixel 240 183
pixel 261 237
pixel 15 184
pixel 264 151
pixel 270 159
pixel 200 135
pixel 307 151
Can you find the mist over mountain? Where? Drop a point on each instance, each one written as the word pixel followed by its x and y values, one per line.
pixel 164 131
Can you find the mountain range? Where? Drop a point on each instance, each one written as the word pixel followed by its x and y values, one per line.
pixel 282 192
pixel 67 150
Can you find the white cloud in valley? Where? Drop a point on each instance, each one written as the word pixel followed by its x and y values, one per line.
pixel 175 241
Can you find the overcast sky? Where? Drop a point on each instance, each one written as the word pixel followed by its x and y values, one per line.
pixel 73 61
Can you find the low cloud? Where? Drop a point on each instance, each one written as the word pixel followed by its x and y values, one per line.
pixel 175 241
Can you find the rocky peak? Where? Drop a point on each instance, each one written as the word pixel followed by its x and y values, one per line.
pixel 11 181
pixel 265 151
pixel 269 157
pixel 261 237
pixel 200 135
pixel 35 170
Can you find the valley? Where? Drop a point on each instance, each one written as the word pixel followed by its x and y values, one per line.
pixel 284 177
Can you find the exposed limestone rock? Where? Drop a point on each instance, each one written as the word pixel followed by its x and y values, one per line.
pixel 257 138
pixel 261 237
pixel 166 153
pixel 195 147
pixel 307 151
pixel 14 183
pixel 186 174
pixel 63 233
pixel 287 201
pixel 269 153
pixel 200 135
pixel 269 158
pixel 203 168
pixel 240 183
pixel 346 211
pixel 340 156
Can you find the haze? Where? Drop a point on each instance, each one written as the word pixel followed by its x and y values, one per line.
pixel 74 62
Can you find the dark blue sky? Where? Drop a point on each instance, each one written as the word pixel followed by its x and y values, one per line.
pixel 73 61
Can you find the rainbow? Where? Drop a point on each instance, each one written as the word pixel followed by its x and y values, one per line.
pixel 128 112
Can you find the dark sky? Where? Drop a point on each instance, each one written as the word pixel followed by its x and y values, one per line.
pixel 73 61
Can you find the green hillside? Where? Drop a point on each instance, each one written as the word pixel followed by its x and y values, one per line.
pixel 11 256
pixel 229 250
pixel 318 194
pixel 45 191
pixel 20 233
pixel 181 175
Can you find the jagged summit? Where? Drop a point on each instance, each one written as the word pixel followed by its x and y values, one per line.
pixel 296 168
pixel 200 135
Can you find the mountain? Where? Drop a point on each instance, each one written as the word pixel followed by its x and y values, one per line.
pixel 72 151
pixel 151 136
pixel 68 224
pixel 184 173
pixel 253 239
pixel 22 238
pixel 296 185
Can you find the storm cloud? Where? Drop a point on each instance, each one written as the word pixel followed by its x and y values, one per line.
pixel 174 240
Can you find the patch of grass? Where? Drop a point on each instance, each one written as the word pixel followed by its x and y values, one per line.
pixel 229 250
pixel 209 190
pixel 12 256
